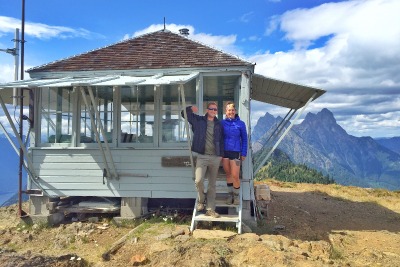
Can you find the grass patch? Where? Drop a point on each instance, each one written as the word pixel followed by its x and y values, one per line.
pixel 37 227
pixel 336 254
pixel 126 223
pixel 223 251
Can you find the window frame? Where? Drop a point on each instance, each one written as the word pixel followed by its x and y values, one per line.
pixel 40 113
pixel 80 104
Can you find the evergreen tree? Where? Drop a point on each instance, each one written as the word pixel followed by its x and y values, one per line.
pixel 280 167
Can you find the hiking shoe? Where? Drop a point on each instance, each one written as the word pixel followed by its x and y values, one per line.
pixel 200 207
pixel 229 199
pixel 212 213
pixel 236 200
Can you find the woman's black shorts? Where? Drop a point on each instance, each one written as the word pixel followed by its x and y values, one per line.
pixel 232 155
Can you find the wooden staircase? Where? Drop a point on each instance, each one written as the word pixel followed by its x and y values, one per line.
pixel 234 211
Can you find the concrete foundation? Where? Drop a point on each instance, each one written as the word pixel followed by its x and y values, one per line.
pixel 51 220
pixel 133 207
pixel 41 211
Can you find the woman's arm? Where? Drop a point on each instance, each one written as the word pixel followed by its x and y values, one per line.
pixel 243 137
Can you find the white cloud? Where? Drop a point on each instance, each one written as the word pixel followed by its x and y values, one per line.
pixel 245 18
pixel 7 69
pixel 363 47
pixel 380 124
pixel 43 31
pixel 221 42
pixel 6 73
pixel 254 38
pixel 158 27
pixel 349 48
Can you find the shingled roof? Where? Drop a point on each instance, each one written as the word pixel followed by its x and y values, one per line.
pixel 161 49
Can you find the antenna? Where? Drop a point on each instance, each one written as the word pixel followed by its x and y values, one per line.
pixel 164 23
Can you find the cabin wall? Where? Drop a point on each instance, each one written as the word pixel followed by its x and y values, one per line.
pixel 65 170
pixel 79 172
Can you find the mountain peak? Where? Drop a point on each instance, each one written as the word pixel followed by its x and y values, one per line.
pixel 264 123
pixel 325 115
pixel 321 123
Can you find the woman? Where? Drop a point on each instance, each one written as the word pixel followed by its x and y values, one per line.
pixel 235 151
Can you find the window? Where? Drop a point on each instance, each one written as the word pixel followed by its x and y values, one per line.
pixel 103 102
pixel 220 89
pixel 56 115
pixel 137 114
pixel 145 123
pixel 173 126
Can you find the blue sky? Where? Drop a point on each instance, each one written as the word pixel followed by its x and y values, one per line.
pixel 349 48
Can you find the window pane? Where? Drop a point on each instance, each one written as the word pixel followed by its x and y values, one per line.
pixel 104 102
pixel 137 114
pixel 56 115
pixel 173 126
pixel 219 89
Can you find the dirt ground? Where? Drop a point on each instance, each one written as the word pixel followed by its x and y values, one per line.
pixel 307 225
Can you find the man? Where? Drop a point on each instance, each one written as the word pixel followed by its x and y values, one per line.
pixel 209 144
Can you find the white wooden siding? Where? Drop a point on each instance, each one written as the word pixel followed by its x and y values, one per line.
pixel 79 172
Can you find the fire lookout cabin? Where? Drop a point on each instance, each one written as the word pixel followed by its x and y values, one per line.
pixel 107 123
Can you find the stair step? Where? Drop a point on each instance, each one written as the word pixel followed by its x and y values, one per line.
pixel 222 218
pixel 222 203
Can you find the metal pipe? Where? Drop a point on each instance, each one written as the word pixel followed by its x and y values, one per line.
pixel 97 115
pixel 284 134
pixel 96 133
pixel 31 174
pixel 16 65
pixel 19 140
pixel 182 91
pixel 21 112
pixel 272 137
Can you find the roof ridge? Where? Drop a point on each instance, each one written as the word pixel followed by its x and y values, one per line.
pixel 211 47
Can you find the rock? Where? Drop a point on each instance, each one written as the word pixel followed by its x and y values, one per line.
pixel 163 236
pixel 138 259
pixel 212 234
pixel 248 236
pixel 177 233
pixel 276 242
pixel 278 228
pixel 245 228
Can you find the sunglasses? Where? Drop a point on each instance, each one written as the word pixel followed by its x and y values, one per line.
pixel 214 109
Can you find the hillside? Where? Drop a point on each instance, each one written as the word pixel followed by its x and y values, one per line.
pixel 390 143
pixel 281 168
pixel 308 225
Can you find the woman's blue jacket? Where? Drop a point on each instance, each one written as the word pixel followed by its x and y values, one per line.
pixel 235 135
